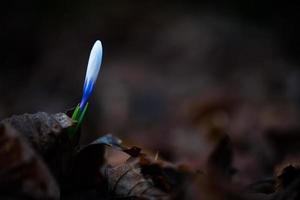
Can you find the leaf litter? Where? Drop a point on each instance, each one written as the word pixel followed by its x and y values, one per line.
pixel 38 161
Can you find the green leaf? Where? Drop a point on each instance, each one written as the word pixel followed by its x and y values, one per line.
pixel 77 116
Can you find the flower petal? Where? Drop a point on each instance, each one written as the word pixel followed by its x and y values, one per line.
pixel 92 71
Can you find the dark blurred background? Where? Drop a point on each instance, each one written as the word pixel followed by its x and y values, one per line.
pixel 173 72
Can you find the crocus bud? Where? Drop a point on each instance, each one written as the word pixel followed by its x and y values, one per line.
pixel 92 71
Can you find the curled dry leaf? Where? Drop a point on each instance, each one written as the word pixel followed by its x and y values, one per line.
pixel 124 180
pixel 43 130
pixel 86 164
pixel 87 161
pixel 48 134
pixel 143 177
pixel 22 173
pixel 127 181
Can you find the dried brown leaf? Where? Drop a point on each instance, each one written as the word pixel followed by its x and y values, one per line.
pixel 44 131
pixel 127 181
pixel 22 172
